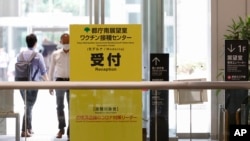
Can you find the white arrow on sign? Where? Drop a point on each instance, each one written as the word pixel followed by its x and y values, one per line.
pixel 155 60
pixel 231 49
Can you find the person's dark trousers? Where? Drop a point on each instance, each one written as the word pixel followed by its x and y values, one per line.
pixel 31 96
pixel 60 94
pixel 68 113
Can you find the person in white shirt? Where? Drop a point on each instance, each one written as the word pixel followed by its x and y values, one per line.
pixel 59 71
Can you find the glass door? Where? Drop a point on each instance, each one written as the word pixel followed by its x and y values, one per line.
pixel 193 39
pixel 49 18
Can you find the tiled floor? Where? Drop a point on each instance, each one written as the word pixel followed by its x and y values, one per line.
pixel 33 138
pixel 45 123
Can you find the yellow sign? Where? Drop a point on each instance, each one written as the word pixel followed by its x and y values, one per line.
pixel 105 53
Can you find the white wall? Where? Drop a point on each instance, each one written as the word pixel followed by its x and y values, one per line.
pixel 8 8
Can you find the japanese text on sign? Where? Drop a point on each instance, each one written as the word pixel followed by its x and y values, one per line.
pixel 106 118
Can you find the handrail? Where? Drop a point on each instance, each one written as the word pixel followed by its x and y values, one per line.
pixel 153 85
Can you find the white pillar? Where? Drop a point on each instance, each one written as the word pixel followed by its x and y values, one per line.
pixel 7 8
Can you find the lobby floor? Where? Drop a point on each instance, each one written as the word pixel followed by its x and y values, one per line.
pixel 33 138
pixel 45 124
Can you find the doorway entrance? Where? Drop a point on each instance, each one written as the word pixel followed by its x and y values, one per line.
pixel 45 123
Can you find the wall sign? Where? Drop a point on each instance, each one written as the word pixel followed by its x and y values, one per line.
pixel 105 53
pixel 159 71
pixel 236 60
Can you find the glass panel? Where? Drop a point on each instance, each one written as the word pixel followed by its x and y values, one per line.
pixel 169 7
pixel 11 44
pixel 192 59
pixel 74 7
pixel 133 1
pixel 169 47
pixel 48 41
pixel 4 54
pixel 134 18
pixel 128 13
pixel 169 41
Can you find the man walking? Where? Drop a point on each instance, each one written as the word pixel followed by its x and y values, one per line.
pixel 59 71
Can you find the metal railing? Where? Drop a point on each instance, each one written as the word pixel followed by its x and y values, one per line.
pixel 153 85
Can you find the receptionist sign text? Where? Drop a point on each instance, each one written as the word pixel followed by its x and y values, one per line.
pixel 108 49
pixel 106 46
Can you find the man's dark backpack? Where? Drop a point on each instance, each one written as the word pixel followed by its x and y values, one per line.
pixel 24 69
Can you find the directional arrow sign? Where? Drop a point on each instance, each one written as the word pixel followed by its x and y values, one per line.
pixel 236 60
pixel 159 71
pixel 231 49
pixel 156 60
pixel 159 66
